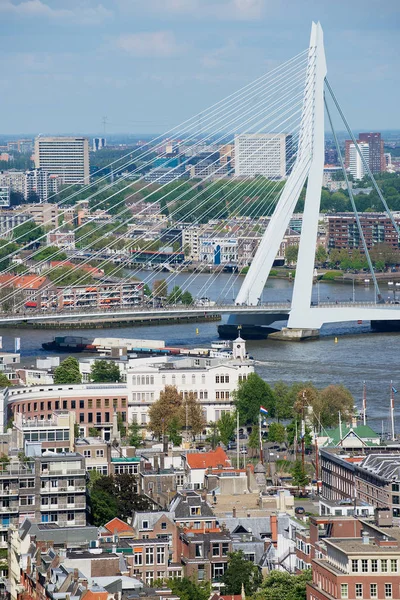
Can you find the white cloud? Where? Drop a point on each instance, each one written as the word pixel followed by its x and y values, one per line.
pixel 85 14
pixel 151 44
pixel 248 9
pixel 224 10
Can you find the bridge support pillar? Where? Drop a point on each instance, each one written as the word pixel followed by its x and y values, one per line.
pixel 291 334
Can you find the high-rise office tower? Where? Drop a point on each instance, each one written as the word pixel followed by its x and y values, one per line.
pixel 356 164
pixel 67 157
pixel 267 154
pixel 376 153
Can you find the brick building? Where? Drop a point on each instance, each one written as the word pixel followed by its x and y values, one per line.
pixel 377 228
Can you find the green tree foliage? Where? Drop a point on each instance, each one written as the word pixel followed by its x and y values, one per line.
pixel 250 395
pixel 226 427
pixel 299 475
pixel 321 254
pixel 176 295
pixel 68 372
pixel 93 432
pixel 146 290
pixel 4 381
pixel 187 589
pixel 291 253
pixel 187 298
pixel 276 433
pixel 49 252
pixel 279 585
pixel 332 400
pixel 192 412
pixel 134 436
pixel 241 571
pixel 27 232
pixel 66 275
pixel 114 496
pixel 104 371
pixel 6 248
pixel 173 431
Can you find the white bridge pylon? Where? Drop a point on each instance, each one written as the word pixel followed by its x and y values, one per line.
pixel 309 166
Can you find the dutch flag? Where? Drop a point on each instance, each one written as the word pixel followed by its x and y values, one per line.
pixel 263 410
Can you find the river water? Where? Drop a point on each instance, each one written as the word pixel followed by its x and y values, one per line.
pixel 358 355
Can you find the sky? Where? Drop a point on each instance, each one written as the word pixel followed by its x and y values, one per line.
pixel 148 65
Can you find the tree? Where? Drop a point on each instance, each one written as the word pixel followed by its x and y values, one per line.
pixel 134 435
pixel 321 254
pixel 291 253
pixel 160 288
pixel 4 381
pixel 192 412
pixel 76 431
pixel 176 295
pixel 128 499
pixel 27 232
pixel 146 290
pixel 165 409
pixel 121 425
pixel 214 438
pixel 186 589
pixel 104 371
pixel 332 400
pixel 93 432
pixel 52 252
pixel 276 433
pixel 187 298
pixel 299 476
pixel 284 586
pixel 173 430
pixel 226 427
pixel 241 571
pixel 250 395
pixel 103 507
pixel 68 372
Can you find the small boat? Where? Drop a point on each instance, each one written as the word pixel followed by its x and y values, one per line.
pixel 70 343
pixel 221 345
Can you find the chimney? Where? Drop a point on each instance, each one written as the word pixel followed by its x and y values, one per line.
pixel 365 537
pixel 248 515
pixel 204 495
pixel 76 574
pixel 274 529
pixel 234 512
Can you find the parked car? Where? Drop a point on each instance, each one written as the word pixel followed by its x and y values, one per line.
pixel 299 510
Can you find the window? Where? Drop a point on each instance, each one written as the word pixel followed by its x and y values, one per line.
pixel 395 487
pixel 150 556
pixel 107 402
pixel 54 483
pixel 98 403
pixel 388 590
pixel 374 565
pixel 81 417
pixel 81 404
pixel 98 417
pixel 218 569
pixel 364 565
pixel 90 417
pixel 138 558
pixel 384 565
pixel 149 577
pixel 354 566
pixel 195 510
pixel 70 499
pixel 373 590
pixel 163 526
pixel 393 565
pixel 225 548
pixel 73 404
pixel 226 378
pixel 65 404
pixel 215 549
pixel 70 516
pixel 396 499
pixel 90 403
pixel 217 379
pixel 99 453
pixel 87 453
pixel 160 555
pixel 145 524
pixel 199 551
pixel 49 406
pixel 344 590
pixel 359 590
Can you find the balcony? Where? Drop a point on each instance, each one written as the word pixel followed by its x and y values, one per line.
pixel 9 509
pixel 62 489
pixel 67 472
pixel 63 506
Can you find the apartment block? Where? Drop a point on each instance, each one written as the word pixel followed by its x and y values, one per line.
pixel 266 154
pixel 67 157
pixel 377 228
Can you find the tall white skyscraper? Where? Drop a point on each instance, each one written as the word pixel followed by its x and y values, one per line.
pixel 67 157
pixel 99 143
pixel 267 154
pixel 356 165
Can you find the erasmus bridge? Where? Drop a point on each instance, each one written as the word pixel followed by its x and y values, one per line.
pixel 294 98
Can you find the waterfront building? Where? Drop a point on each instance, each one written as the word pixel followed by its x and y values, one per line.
pixel 33 289
pixel 377 228
pixel 377 481
pixel 218 250
pixel 356 164
pixel 100 295
pixel 67 157
pixel 266 154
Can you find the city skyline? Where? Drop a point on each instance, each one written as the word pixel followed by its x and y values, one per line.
pixel 75 65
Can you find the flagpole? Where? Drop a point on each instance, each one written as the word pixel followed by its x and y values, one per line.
pixel 260 439
pixel 392 410
pixel 364 404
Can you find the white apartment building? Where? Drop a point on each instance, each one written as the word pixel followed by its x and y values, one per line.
pixel 15 180
pixel 67 157
pixel 356 165
pixel 266 154
pixel 4 196
pixel 190 241
pixel 36 181
pixel 218 250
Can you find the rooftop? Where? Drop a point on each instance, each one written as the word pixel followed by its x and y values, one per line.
pixel 213 459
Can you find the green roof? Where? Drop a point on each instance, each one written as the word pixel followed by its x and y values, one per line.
pixel 364 432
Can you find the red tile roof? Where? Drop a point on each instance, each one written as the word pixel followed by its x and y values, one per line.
pixel 118 526
pixel 203 460
pixel 26 282
pixel 89 595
